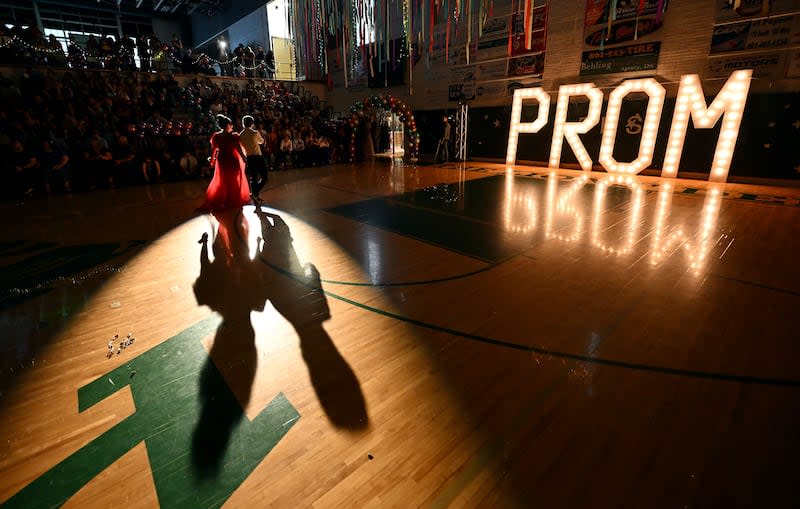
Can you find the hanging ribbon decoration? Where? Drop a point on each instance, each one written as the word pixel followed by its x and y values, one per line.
pixel 528 23
pixel 612 16
pixel 447 36
pixel 469 29
pixel 514 8
pixel 638 13
pixel 430 30
pixel 364 35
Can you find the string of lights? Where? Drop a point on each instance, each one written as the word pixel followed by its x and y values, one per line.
pixel 125 54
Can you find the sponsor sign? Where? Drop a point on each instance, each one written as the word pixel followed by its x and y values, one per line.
pixel 526 65
pixel 633 58
pixel 538 35
pixel 729 10
pixel 597 10
pixel 495 28
pixel 766 34
pixel 764 65
pixel 628 26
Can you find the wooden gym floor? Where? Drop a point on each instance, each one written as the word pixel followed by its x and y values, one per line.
pixel 388 336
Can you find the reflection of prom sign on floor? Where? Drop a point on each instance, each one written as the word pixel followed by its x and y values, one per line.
pixel 666 241
pixel 565 217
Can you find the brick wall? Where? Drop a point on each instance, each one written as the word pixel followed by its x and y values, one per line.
pixel 685 41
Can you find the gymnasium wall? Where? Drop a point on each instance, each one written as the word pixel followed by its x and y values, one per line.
pixel 205 27
pixel 252 28
pixel 690 37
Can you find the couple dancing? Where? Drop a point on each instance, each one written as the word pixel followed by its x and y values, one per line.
pixel 230 151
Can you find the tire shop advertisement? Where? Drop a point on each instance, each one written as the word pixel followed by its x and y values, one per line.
pixel 629 42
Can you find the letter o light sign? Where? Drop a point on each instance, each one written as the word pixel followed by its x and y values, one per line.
pixel 690 102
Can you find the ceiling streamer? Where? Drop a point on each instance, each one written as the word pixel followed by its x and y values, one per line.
pixel 372 36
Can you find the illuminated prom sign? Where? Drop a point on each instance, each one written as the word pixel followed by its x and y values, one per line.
pixel 690 102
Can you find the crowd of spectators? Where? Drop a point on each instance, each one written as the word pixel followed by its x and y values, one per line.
pixel 71 130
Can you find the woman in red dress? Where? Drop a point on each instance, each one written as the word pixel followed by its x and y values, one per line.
pixel 228 188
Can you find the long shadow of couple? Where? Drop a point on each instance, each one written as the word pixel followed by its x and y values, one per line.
pixel 233 285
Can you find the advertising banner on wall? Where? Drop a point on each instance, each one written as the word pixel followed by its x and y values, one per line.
pixel 764 65
pixel 763 29
pixel 760 34
pixel 527 65
pixel 731 10
pixel 538 32
pixel 632 58
pixel 630 24
pixel 493 42
pixel 497 53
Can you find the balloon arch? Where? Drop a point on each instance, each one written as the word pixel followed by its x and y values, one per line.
pixel 386 103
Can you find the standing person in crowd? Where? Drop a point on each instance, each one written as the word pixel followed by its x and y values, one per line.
pixel 444 142
pixel 124 155
pixel 228 188
pixel 151 169
pixel 98 160
pixel 312 148
pixel 271 146
pixel 286 149
pixel 75 55
pixel 23 165
pixel 143 47
pixel 157 58
pixel 54 165
pixel 324 150
pixel 203 157
pixel 188 164
pixel 299 150
pixel 92 52
pixel 251 141
pixel 249 57
pixel 55 55
pixel 261 72
pixel 269 61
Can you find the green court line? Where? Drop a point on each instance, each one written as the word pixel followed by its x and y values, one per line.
pixel 200 445
pixel 571 356
pixel 793 293
pixel 413 283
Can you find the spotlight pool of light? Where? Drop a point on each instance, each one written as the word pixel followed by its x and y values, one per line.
pixel 240 319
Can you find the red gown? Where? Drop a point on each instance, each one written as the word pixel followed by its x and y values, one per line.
pixel 228 188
